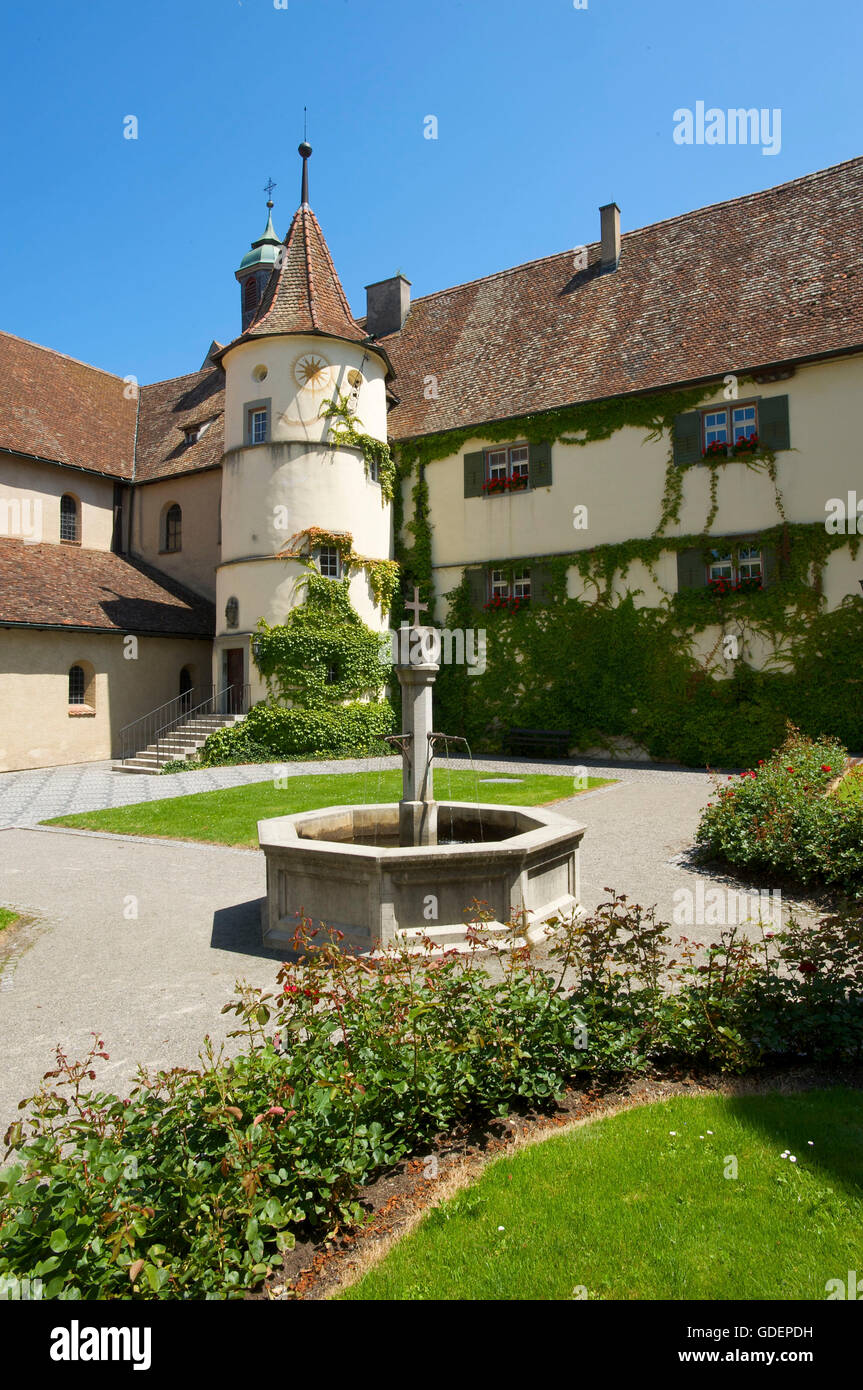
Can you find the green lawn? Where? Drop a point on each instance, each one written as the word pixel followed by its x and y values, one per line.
pixel 230 817
pixel 624 1209
pixel 7 917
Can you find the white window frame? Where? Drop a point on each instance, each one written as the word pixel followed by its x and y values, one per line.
pixel 256 415
pixel 330 551
pixel 521 585
pixel 496 463
pixel 712 432
pixel 721 562
pixel 498 586
pixel 743 427
pixel 519 467
pixel 750 557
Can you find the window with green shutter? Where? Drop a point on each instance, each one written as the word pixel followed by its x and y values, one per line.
pixel 739 563
pixel 477 587
pixel 686 438
pixel 474 473
pixel 691 569
pixel 774 431
pixel 540 465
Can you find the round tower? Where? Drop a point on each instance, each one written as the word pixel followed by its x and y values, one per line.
pixel 291 491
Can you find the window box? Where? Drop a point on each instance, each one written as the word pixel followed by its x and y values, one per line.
pixel 508 602
pixel 749 585
pixel 510 483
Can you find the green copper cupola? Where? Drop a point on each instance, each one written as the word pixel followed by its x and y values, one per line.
pixel 256 266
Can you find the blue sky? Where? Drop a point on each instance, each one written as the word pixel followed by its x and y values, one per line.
pixel 122 252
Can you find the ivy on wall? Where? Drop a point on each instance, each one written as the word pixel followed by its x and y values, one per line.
pixel 323 652
pixel 376 454
pixel 383 575
pixel 599 666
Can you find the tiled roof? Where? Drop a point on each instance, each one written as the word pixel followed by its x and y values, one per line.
pixel 765 278
pixel 168 408
pixel 304 294
pixel 54 407
pixel 67 586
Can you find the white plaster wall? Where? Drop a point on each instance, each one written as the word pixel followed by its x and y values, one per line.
pixel 29 482
pixel 199 496
pixel 621 481
pixel 296 408
pixel 38 729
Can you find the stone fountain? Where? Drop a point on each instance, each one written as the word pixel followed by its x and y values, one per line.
pixel 391 873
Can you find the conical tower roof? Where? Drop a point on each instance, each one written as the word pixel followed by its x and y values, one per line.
pixel 304 293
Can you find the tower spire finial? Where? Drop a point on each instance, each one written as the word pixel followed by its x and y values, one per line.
pixel 305 151
pixel 268 189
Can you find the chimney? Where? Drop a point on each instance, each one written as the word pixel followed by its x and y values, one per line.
pixel 387 305
pixel 609 217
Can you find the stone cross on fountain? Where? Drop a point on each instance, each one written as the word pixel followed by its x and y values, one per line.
pixel 417 808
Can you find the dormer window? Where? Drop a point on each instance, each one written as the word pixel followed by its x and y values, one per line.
pixel 193 433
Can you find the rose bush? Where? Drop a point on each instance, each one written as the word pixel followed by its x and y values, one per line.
pixel 780 817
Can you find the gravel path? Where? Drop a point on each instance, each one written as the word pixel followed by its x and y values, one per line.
pixel 26 798
pixel 143 940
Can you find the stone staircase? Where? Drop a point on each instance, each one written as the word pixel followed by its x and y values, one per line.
pixel 181 743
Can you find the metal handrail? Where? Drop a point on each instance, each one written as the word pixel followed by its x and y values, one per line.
pixel 156 725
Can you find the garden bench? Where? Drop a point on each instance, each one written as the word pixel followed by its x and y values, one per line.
pixel 544 743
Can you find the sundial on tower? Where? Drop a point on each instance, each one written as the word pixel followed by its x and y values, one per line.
pixel 312 371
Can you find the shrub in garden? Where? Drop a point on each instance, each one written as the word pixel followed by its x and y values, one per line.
pixel 195 1184
pixel 270 732
pixel 779 816
pixel 325 678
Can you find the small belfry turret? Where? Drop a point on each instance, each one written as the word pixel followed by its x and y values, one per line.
pixel 257 264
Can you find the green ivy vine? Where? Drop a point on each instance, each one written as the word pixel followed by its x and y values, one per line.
pixel 376 454
pixel 383 575
pixel 638 673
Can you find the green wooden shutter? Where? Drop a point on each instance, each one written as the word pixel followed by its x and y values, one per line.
pixel 691 569
pixel 477 587
pixel 474 473
pixel 686 438
pixel 540 584
pixel 773 428
pixel 539 467
pixel 768 565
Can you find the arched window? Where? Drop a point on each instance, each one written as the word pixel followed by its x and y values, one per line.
pixel 250 294
pixel 69 518
pixel 174 528
pixel 77 685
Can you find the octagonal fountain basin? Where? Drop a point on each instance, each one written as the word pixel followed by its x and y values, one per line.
pixel 343 866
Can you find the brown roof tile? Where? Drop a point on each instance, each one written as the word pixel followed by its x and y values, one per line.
pixel 168 408
pixel 67 586
pixel 764 278
pixel 304 294
pixel 54 407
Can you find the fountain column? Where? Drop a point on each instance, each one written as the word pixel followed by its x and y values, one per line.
pixel 417 808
